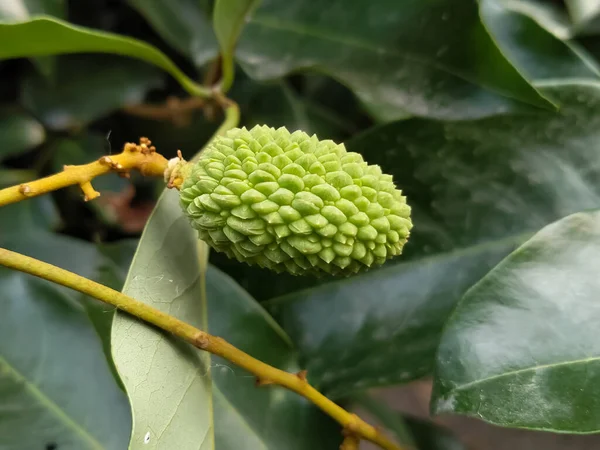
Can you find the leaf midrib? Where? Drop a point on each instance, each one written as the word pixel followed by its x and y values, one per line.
pixel 49 403
pixel 525 370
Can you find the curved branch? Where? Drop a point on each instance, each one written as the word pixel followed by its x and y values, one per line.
pixel 142 157
pixel 354 427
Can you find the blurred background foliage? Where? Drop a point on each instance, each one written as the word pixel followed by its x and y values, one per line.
pixel 486 113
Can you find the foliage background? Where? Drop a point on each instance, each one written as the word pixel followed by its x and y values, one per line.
pixel 487 115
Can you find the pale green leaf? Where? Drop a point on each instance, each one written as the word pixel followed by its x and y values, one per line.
pixel 167 380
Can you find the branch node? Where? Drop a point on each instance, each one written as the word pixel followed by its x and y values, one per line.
pixel 262 382
pixel 130 147
pixel 302 375
pixel 25 190
pixel 351 442
pixel 201 341
pixel 89 193
pixel 352 427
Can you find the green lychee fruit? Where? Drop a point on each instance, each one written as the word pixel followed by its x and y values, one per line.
pixel 291 202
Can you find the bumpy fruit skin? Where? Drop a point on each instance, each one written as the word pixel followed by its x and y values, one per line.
pixel 290 202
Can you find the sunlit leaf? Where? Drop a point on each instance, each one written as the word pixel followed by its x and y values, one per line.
pixel 521 349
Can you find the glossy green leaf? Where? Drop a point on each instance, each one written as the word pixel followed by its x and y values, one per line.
pixel 521 349
pixel 167 380
pixel 45 335
pixel 25 228
pixel 182 23
pixel 106 83
pixel 19 132
pixel 47 36
pixel 229 17
pixel 585 15
pixel 381 328
pixel 53 373
pixel 246 416
pixel 477 188
pixel 536 52
pixel 384 52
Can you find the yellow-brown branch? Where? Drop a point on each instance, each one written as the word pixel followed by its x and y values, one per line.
pixel 142 157
pixel 354 427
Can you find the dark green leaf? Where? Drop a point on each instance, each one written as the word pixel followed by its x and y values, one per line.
pixel 279 105
pixel 477 188
pixel 167 380
pixel 46 36
pixel 27 232
pixel 246 416
pixel 106 83
pixel 10 177
pixel 383 327
pixel 521 349
pixel 36 214
pixel 47 335
pixel 55 386
pixel 536 52
pixel 182 23
pixel 19 133
pixel 384 53
pixel 120 254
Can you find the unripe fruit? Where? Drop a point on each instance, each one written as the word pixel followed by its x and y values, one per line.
pixel 289 202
